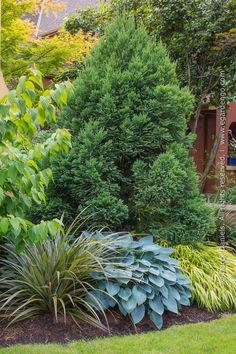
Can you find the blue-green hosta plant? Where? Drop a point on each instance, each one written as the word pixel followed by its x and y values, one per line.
pixel 145 279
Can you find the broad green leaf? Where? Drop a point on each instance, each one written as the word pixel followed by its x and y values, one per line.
pixel 33 164
pixel 15 225
pixel 4 225
pixel 4 109
pixel 27 99
pixel 37 80
pixel 52 227
pixel 3 176
pixel 1 195
pixel 12 172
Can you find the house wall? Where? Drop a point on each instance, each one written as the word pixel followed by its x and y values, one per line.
pixel 223 148
pixel 207 130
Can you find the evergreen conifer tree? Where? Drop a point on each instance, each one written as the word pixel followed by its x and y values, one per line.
pixel 126 113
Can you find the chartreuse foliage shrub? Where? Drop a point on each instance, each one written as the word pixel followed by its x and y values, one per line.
pixel 24 164
pixel 126 111
pixel 144 280
pixel 212 271
pixel 52 276
pixel 51 54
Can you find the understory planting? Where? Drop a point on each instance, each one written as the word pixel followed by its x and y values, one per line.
pixel 145 280
pixel 212 272
pixel 80 276
pixel 25 164
pixel 53 276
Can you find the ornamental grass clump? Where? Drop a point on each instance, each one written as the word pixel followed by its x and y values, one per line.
pixel 52 276
pixel 212 271
pixel 145 280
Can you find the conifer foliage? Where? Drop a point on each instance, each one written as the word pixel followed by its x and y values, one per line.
pixel 127 110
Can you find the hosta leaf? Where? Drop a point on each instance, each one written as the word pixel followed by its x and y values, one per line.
pixel 151 295
pixel 112 288
pixel 158 281
pixel 168 275
pixel 138 273
pixel 170 267
pixel 129 259
pixel 174 292
pixel 164 291
pixel 111 302
pixel 124 241
pixel 154 271
pixel 139 294
pixel 167 259
pixel 138 313
pixel 147 240
pixel 145 262
pixel 171 304
pixel 166 250
pixel 156 319
pixel 157 305
pixel 125 293
pixel 184 300
pixel 151 248
pixel 146 287
pixel 129 305
pixel 182 280
pixel 122 310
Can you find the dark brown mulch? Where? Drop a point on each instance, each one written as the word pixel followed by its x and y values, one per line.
pixel 43 329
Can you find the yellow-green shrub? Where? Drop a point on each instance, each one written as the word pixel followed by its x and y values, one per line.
pixel 51 54
pixel 212 271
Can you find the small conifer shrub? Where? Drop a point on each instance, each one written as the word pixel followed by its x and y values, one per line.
pixel 128 118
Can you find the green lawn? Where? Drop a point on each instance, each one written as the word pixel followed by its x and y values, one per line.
pixel 216 337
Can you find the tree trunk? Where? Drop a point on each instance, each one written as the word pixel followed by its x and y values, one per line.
pixel 210 161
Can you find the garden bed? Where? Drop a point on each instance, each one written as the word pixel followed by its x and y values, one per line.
pixel 43 329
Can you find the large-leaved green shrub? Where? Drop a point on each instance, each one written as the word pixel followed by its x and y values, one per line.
pixel 24 163
pixel 126 112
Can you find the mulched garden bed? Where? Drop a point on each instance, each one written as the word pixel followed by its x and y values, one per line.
pixel 43 329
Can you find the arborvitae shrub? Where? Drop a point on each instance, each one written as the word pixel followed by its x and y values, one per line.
pixel 126 111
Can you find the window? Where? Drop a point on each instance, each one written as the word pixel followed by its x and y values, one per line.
pixel 232 144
